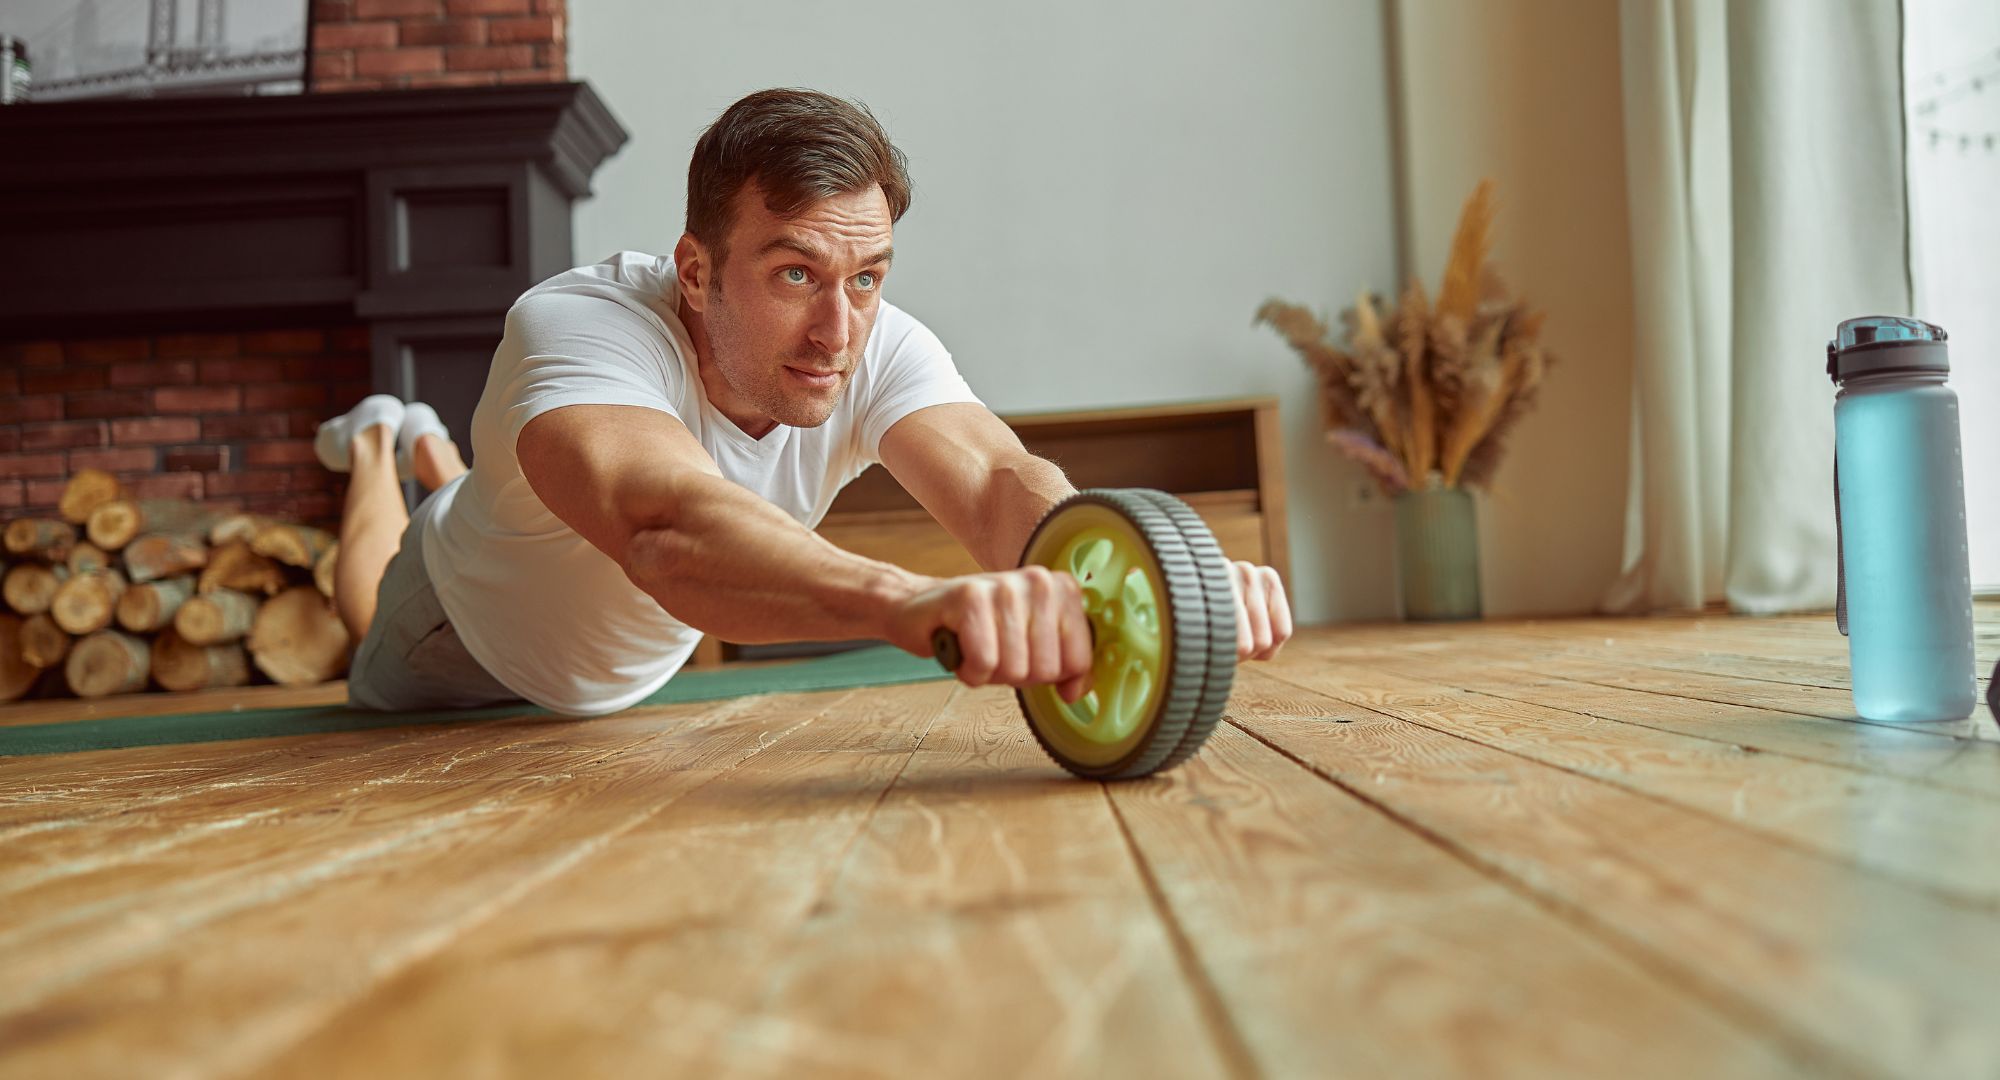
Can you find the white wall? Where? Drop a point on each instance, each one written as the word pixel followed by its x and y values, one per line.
pixel 1104 193
pixel 1528 92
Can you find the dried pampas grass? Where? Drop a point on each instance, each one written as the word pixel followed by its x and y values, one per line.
pixel 1424 394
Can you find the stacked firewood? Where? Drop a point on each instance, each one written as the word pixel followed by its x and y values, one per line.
pixel 116 595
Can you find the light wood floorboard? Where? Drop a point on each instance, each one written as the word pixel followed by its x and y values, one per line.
pixel 1588 847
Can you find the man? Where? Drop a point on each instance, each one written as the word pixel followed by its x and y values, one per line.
pixel 657 438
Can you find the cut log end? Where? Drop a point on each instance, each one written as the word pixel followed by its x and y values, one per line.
pixel 87 603
pixel 43 643
pixel 179 665
pixel 221 616
pixel 298 640
pixel 87 490
pixel 113 525
pixel 107 662
pixel 30 588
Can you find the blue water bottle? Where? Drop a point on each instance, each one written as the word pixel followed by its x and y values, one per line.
pixel 1899 496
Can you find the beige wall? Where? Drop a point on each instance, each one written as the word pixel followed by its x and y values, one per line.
pixel 1105 192
pixel 1527 91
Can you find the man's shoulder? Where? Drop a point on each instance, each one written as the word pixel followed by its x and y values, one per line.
pixel 899 334
pixel 634 274
pixel 902 353
pixel 629 294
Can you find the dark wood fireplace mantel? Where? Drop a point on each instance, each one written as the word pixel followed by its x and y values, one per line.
pixel 422 214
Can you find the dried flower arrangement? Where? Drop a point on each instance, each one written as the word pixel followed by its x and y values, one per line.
pixel 1424 395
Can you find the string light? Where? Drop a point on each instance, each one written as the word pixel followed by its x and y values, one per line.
pixel 1937 139
pixel 1951 86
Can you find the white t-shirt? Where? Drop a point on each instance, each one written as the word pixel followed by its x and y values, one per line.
pixel 550 616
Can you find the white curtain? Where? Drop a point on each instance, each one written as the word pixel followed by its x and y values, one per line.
pixel 1763 146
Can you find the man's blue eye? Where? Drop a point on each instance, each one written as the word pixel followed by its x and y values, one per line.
pixel 865 279
pixel 796 275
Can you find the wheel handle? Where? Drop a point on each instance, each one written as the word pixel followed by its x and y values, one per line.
pixel 944 645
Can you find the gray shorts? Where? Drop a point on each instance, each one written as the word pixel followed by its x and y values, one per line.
pixel 411 657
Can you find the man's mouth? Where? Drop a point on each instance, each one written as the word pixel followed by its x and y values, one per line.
pixel 818 380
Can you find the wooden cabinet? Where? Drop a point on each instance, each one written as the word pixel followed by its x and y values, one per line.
pixel 1222 457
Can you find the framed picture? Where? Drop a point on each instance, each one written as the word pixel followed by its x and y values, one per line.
pixel 63 50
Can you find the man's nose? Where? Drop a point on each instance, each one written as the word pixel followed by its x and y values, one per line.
pixel 832 322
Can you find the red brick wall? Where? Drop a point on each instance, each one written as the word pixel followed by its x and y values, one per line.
pixel 224 418
pixel 385 44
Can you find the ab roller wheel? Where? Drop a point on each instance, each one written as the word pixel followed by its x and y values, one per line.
pixel 1162 615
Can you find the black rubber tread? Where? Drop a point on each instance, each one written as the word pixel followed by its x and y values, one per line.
pixel 1187 608
pixel 1221 598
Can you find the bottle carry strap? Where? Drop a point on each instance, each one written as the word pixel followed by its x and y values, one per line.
pixel 1840 550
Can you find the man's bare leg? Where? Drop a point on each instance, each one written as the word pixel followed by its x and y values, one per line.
pixel 436 461
pixel 373 521
pixel 371 527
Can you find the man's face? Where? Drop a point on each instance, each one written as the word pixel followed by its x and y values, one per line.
pixel 788 316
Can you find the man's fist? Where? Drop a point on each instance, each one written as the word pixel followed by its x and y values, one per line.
pixel 1021 627
pixel 1026 627
pixel 1263 617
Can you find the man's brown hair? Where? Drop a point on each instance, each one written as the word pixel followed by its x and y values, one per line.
pixel 797 146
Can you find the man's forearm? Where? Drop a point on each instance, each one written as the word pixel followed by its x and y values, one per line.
pixel 733 565
pixel 1018 495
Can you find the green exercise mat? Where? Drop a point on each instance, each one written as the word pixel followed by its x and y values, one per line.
pixel 881 665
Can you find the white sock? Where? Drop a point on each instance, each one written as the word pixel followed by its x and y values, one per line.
pixel 419 420
pixel 331 442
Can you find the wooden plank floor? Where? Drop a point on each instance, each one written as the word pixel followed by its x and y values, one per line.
pixel 1657 847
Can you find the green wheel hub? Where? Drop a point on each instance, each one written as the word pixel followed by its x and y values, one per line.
pixel 1121 595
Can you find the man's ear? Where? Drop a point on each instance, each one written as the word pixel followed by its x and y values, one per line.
pixel 692 271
